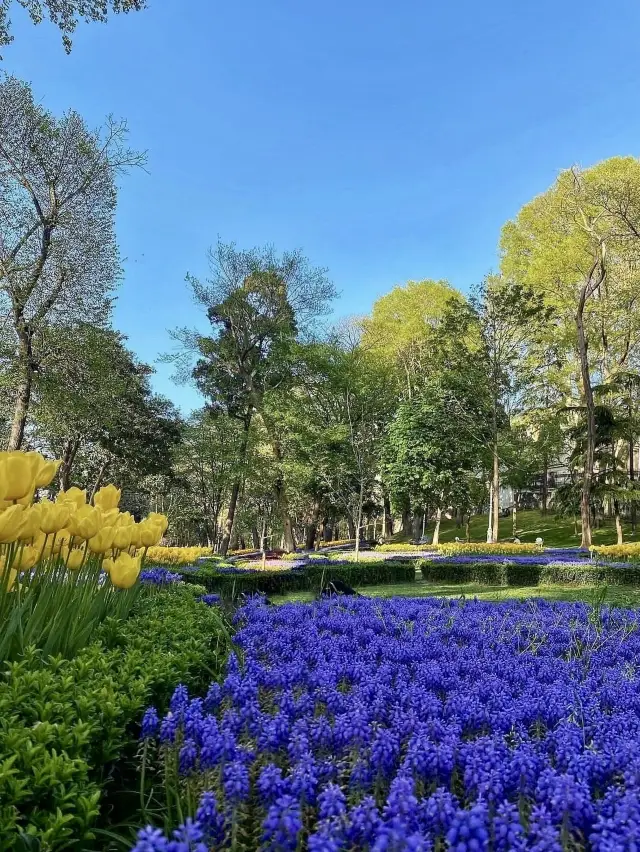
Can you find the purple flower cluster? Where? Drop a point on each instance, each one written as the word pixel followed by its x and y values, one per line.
pixel 415 725
pixel 210 600
pixel 159 577
pixel 546 558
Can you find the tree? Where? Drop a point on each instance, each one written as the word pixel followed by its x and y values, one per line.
pixel 401 325
pixel 94 403
pixel 577 245
pixel 65 14
pixel 507 315
pixel 58 257
pixel 258 304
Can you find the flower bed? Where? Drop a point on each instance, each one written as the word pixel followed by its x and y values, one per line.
pixel 407 724
pixel 630 550
pixel 309 576
pixel 500 547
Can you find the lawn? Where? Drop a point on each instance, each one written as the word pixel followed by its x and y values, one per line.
pixel 556 532
pixel 621 596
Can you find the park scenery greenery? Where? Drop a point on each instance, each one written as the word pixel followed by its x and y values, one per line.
pixel 380 592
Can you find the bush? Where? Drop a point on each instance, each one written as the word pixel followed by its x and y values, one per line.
pixel 68 728
pixel 308 578
pixel 510 574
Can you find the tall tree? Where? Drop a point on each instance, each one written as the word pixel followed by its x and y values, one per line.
pixel 258 304
pixel 58 256
pixel 65 14
pixel 578 245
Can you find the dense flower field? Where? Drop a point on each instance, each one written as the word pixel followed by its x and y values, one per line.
pixel 411 724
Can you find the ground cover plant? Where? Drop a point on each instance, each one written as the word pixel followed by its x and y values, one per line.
pixel 69 728
pixel 407 724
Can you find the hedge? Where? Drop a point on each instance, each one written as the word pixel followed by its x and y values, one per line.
pixel 310 578
pixel 506 574
pixel 69 728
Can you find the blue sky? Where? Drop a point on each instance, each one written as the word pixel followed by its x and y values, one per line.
pixel 388 140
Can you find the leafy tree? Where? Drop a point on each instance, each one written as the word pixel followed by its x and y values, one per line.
pixel 577 245
pixel 258 304
pixel 58 256
pixel 65 14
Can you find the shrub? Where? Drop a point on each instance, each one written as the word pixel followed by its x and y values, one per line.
pixel 307 578
pixel 337 541
pixel 242 551
pixel 68 728
pixel 507 573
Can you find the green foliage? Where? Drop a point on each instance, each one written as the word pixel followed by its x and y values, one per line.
pixel 311 578
pixel 509 574
pixel 65 14
pixel 68 728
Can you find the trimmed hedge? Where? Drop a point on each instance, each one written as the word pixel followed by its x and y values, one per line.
pixel 310 578
pixel 506 574
pixel 69 728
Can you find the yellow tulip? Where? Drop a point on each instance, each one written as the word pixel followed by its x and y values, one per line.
pixel 54 516
pixel 110 517
pixel 85 522
pixel 161 520
pixel 122 538
pixel 102 540
pixel 26 558
pixel 107 497
pixel 43 470
pixel 61 540
pixel 125 519
pixel 150 533
pixel 12 521
pixel 75 559
pixel 17 476
pixel 47 472
pixel 108 564
pixel 135 535
pixel 31 526
pixel 72 495
pixel 124 571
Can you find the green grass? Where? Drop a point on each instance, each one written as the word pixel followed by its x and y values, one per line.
pixel 556 532
pixel 621 596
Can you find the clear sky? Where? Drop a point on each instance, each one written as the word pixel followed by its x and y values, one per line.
pixel 388 139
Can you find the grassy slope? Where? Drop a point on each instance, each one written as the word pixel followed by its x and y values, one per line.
pixel 556 532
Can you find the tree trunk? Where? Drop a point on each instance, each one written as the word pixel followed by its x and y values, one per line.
pixel 514 518
pixel 312 528
pixel 235 490
pixel 280 488
pixel 490 522
pixel 587 475
pixel 255 536
pixel 71 446
pixel 467 530
pixel 632 479
pixel 545 485
pixel 436 531
pixel 496 494
pixel 417 525
pixel 23 391
pixel 359 523
pixel 351 526
pixel 99 479
pixel 616 508
pixel 406 521
pixel 388 517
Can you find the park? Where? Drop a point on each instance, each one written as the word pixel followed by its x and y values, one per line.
pixel 331 548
